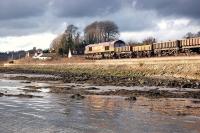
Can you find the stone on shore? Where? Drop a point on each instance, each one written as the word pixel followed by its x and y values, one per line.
pixel 132 98
pixel 77 97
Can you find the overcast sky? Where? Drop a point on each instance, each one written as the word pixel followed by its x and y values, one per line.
pixel 28 23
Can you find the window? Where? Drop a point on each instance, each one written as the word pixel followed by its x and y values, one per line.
pixel 107 48
pixel 90 48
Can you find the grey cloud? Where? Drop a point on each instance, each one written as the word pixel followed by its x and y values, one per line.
pixel 133 20
pixel 121 12
pixel 13 9
pixel 22 17
pixel 179 8
pixel 18 27
pixel 86 8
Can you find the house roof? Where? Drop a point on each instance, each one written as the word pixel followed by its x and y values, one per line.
pixel 47 55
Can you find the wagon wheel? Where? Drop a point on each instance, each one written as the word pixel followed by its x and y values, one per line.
pixel 176 53
pixel 130 55
pixel 159 54
pixel 188 53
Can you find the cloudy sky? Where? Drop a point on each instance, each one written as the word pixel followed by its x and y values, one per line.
pixel 28 23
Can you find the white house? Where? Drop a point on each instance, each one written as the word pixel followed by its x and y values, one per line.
pixel 42 56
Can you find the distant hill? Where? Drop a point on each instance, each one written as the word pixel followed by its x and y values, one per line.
pixel 12 55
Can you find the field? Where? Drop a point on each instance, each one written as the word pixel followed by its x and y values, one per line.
pixel 168 72
pixel 165 67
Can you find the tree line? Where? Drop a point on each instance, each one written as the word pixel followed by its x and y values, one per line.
pixel 192 35
pixel 96 32
pixel 102 31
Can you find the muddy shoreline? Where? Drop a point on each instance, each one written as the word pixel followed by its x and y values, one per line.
pixel 104 80
pixel 179 101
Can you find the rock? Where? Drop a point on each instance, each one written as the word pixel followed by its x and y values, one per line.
pixel 132 98
pixel 93 88
pixel 187 85
pixel 22 96
pixel 196 101
pixel 60 89
pixel 73 86
pixel 1 94
pixel 77 97
pixel 31 90
pixel 26 82
pixel 179 113
pixel 154 93
pixel 11 62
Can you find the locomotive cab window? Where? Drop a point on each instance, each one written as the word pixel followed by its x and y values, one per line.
pixel 107 48
pixel 90 48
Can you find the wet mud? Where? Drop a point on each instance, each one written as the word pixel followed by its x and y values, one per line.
pixel 179 101
pixel 102 80
pixel 20 95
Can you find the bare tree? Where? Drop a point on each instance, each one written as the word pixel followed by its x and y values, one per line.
pixel 102 31
pixel 133 43
pixel 198 34
pixel 111 31
pixel 149 40
pixel 66 40
pixel 58 43
pixel 90 33
pixel 71 38
pixel 189 35
pixel 71 30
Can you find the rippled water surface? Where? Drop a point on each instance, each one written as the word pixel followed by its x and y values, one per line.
pixel 95 114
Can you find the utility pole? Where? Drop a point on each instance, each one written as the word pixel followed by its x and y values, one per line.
pixel 12 57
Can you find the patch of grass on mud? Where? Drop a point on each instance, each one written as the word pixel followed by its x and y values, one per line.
pixel 119 75
pixel 94 71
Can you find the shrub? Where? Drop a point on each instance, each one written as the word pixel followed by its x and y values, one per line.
pixel 11 62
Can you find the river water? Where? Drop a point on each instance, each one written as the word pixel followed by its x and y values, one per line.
pixel 57 113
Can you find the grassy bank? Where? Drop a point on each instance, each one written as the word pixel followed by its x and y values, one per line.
pixel 147 68
pixel 164 67
pixel 105 73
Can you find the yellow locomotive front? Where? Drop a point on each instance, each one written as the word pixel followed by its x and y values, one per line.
pixel 102 50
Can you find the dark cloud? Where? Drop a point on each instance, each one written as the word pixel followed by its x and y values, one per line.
pixel 33 25
pixel 178 8
pixel 13 9
pixel 22 17
pixel 86 8
pixel 132 20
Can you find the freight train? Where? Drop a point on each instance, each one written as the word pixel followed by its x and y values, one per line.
pixel 119 49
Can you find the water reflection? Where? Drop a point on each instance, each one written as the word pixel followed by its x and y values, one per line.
pixel 95 114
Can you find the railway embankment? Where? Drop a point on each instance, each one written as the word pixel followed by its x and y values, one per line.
pixel 183 72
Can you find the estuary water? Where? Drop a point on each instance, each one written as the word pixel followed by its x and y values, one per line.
pixel 58 113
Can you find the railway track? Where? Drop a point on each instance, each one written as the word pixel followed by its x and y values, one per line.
pixel 153 60
pixel 126 61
